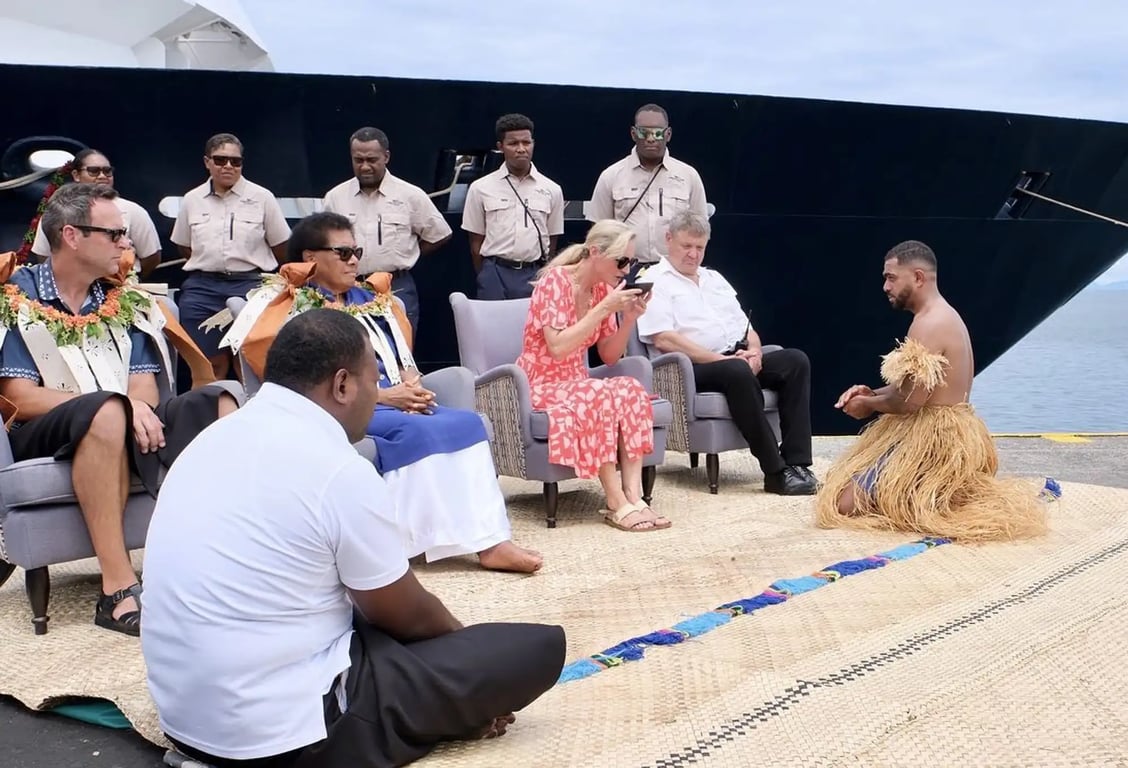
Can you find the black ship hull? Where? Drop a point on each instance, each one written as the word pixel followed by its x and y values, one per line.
pixel 809 194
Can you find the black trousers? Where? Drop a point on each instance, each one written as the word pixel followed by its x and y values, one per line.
pixel 58 432
pixel 403 700
pixel 786 372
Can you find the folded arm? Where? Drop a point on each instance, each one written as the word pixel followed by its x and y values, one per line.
pixel 672 341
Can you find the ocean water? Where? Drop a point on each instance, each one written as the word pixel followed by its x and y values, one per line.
pixel 1070 374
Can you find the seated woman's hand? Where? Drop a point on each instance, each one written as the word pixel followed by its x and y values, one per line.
pixel 409 398
pixel 637 307
pixel 619 298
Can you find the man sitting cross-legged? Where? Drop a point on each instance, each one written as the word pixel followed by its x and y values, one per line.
pixel 80 358
pixel 267 533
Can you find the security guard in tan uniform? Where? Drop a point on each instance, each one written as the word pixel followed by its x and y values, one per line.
pixel 231 231
pixel 394 222
pixel 647 187
pixel 513 216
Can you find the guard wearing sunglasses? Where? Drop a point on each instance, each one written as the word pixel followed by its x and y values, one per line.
pixel 93 167
pixel 648 186
pixel 230 230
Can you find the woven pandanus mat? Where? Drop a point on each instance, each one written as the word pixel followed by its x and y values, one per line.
pixel 872 661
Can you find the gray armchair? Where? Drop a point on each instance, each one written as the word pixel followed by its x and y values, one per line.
pixel 453 386
pixel 702 422
pixel 489 343
pixel 41 523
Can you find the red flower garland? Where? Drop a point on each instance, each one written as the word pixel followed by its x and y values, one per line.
pixel 58 178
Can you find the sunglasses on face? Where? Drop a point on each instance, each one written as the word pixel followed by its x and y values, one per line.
pixel 113 234
pixel 344 252
pixel 623 262
pixel 222 160
pixel 99 170
pixel 650 133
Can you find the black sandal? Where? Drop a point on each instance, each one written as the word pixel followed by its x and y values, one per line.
pixel 128 623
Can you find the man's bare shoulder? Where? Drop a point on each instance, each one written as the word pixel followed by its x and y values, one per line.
pixel 940 328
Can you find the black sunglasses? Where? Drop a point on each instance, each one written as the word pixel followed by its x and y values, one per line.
pixel 344 252
pixel 222 160
pixel 623 262
pixel 99 170
pixel 114 234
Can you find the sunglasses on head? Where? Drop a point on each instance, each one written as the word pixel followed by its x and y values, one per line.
pixel 113 234
pixel 344 252
pixel 99 170
pixel 650 133
pixel 222 160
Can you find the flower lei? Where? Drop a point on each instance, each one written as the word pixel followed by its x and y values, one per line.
pixel 117 311
pixel 58 178
pixel 306 298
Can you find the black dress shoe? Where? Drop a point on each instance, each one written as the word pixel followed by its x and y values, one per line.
pixel 790 482
pixel 807 473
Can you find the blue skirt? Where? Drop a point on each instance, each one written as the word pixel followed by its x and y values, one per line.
pixel 405 438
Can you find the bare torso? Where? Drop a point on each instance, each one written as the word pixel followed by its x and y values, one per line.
pixel 940 327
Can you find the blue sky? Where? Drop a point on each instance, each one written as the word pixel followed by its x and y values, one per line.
pixel 1037 56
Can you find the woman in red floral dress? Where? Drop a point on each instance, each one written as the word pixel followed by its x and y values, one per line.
pixel 593 423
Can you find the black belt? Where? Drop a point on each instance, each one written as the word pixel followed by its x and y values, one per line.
pixel 231 275
pixel 514 264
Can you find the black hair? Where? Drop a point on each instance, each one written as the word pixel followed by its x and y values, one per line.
pixel 312 347
pixel 653 108
pixel 369 133
pixel 914 252
pixel 217 141
pixel 512 122
pixel 312 232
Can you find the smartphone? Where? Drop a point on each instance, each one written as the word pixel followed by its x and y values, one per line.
pixel 641 285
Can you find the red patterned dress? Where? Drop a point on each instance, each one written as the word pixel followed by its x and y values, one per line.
pixel 586 416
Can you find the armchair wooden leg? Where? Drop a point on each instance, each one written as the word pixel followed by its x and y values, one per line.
pixel 649 475
pixel 693 459
pixel 38 583
pixel 713 470
pixel 551 492
pixel 6 570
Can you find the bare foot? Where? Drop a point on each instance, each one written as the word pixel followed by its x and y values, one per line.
pixel 507 556
pixel 497 727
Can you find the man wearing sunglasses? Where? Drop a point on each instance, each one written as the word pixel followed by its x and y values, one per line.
pixel 395 222
pixel 98 405
pixel 230 230
pixel 648 186
pixel 93 167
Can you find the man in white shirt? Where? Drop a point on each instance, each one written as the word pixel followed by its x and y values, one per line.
pixel 282 623
pixel 694 310
pixel 648 186
pixel 395 221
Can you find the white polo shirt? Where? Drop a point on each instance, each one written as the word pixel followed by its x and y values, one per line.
pixel 706 312
pixel 261 523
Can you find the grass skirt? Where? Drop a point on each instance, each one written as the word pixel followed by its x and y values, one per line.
pixel 936 476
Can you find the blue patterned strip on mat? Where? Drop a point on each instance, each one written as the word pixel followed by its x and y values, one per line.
pixel 778 592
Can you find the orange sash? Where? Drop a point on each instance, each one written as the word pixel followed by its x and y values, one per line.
pixel 297 274
pixel 201 368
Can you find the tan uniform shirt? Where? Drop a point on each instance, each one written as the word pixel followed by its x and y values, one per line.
pixel 139 229
pixel 494 209
pixel 232 233
pixel 676 187
pixel 389 222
